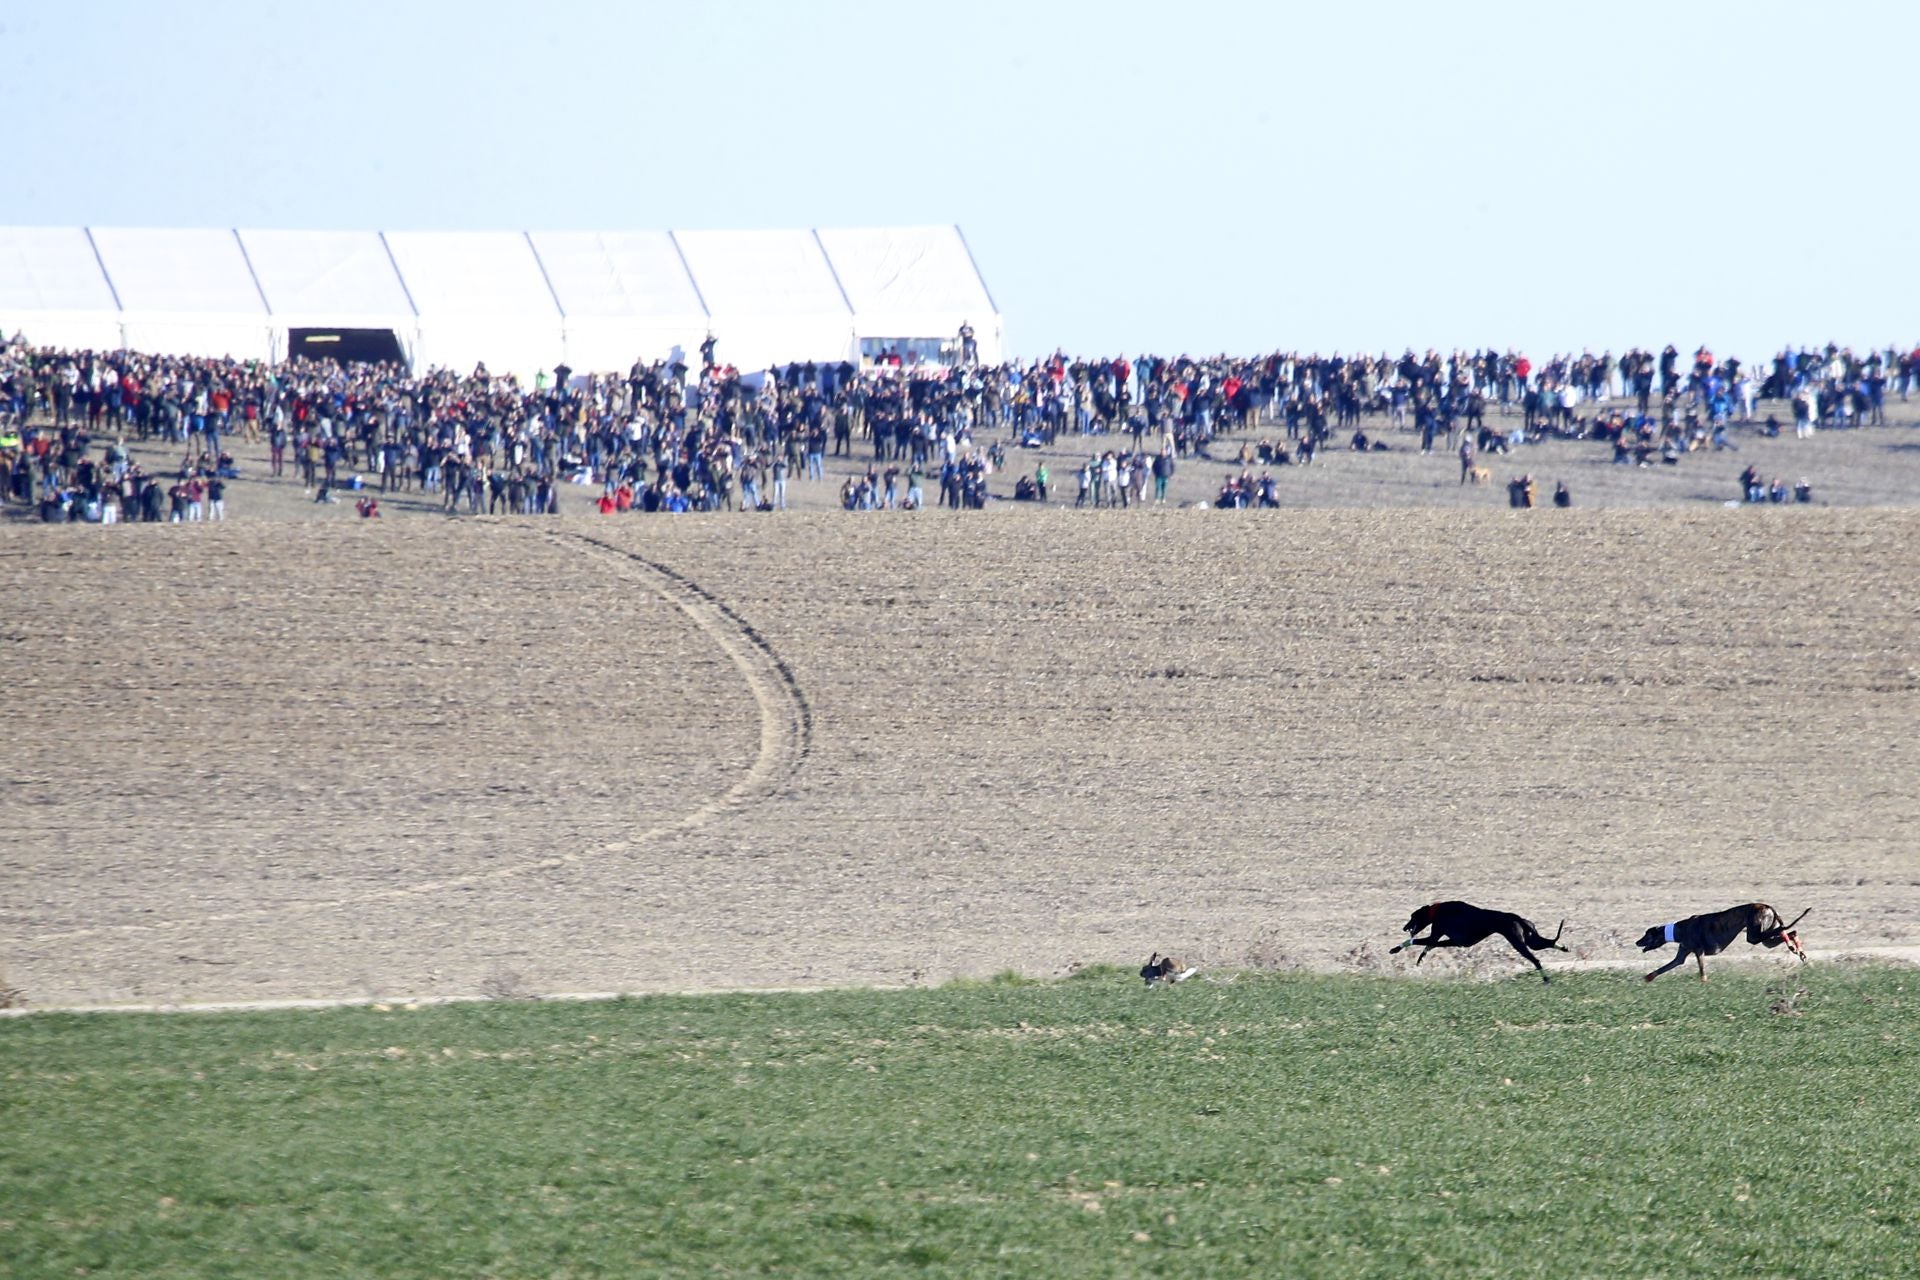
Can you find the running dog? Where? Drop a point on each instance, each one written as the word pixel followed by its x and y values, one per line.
pixel 1159 968
pixel 1709 935
pixel 1461 924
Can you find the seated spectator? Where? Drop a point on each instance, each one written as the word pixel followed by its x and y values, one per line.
pixel 1561 497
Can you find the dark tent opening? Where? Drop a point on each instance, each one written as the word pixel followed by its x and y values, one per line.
pixel 348 346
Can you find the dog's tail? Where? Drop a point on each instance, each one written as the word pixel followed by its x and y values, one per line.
pixel 1542 941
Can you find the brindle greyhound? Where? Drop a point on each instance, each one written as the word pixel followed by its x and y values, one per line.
pixel 1709 935
pixel 1461 924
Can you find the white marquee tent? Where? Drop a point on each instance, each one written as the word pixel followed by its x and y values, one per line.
pixel 516 301
pixel 772 292
pixel 327 280
pixel 911 282
pixel 622 293
pixel 184 292
pixel 52 281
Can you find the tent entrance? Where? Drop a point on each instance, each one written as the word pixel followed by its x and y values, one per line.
pixel 348 346
pixel 911 351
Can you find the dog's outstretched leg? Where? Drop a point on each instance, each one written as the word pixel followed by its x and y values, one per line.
pixel 1429 944
pixel 1531 958
pixel 1517 938
pixel 1700 958
pixel 1674 963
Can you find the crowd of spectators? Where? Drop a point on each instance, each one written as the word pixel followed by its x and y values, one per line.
pixel 664 437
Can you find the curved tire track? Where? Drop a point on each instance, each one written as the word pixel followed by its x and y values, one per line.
pixel 786 717
pixel 786 740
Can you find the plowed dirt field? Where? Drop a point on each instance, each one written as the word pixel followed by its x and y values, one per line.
pixel 513 756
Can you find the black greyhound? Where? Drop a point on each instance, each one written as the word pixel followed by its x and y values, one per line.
pixel 1708 935
pixel 1461 924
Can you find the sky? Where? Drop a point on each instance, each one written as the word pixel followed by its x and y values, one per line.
pixel 1167 177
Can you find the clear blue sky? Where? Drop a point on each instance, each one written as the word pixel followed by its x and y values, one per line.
pixel 1168 177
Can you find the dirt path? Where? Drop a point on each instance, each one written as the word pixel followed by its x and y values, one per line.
pixel 425 760
pixel 785 734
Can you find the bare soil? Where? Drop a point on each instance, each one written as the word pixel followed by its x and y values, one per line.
pixel 304 755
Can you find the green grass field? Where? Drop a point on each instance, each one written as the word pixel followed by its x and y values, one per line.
pixel 1763 1125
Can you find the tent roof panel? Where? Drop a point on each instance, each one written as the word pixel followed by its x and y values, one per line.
pixel 326 273
pixel 179 271
pixel 906 271
pixel 51 269
pixel 762 273
pixel 181 334
pixel 608 274
pixel 472 273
